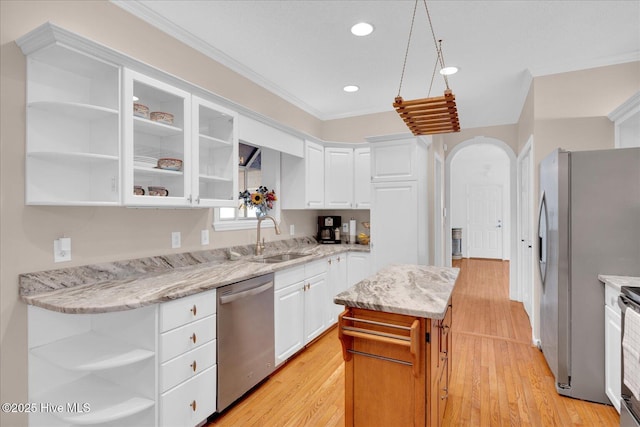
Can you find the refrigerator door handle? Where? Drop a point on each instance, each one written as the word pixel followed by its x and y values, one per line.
pixel 543 232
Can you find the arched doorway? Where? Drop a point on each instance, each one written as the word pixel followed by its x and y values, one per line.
pixel 481 199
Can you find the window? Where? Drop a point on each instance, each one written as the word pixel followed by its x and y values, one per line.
pixel 256 166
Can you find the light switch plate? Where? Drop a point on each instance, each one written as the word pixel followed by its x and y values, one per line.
pixel 292 230
pixel 204 237
pixel 175 240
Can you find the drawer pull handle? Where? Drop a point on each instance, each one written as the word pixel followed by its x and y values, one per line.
pixel 193 405
pixel 194 366
pixel 194 310
pixel 193 337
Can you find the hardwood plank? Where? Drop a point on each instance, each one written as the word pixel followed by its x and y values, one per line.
pixel 498 379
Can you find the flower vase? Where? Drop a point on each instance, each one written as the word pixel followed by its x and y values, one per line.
pixel 261 211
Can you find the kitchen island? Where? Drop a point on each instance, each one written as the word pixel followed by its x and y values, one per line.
pixel 396 345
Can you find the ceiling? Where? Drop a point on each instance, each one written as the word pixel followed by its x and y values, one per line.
pixel 304 51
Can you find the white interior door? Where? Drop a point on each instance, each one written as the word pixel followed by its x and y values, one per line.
pixel 525 244
pixel 484 219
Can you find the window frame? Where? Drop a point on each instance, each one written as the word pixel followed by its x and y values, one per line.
pixel 271 179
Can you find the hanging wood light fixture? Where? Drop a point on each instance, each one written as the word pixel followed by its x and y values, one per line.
pixel 428 116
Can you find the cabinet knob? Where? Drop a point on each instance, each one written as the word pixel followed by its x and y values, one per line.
pixel 329 261
pixel 194 310
pixel 194 366
pixel 446 393
pixel 338 259
pixel 193 405
pixel 193 337
pixel 198 200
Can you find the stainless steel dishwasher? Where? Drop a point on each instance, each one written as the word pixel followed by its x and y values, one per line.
pixel 246 352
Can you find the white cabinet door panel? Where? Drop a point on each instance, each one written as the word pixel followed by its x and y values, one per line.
pixel 338 173
pixel 394 214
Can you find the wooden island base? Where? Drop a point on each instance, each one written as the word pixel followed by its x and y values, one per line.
pixel 397 368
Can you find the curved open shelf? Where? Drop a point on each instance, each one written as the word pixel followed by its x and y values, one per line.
pixel 106 402
pixel 91 352
pixel 74 109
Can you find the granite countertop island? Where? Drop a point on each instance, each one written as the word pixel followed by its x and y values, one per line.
pixel 130 284
pixel 414 290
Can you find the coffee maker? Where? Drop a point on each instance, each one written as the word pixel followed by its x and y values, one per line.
pixel 329 229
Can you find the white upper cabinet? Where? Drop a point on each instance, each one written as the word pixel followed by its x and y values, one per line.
pixel 88 145
pixel 362 178
pixel 302 180
pixel 73 129
pixel 215 155
pixel 394 161
pixel 338 173
pixel 335 176
pixel 148 138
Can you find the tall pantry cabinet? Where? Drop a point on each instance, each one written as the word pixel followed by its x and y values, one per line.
pixel 399 228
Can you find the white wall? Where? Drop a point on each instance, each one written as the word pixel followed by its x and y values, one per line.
pixel 483 164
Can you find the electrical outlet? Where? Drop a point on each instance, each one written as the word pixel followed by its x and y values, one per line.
pixel 62 249
pixel 204 237
pixel 175 240
pixel 345 227
pixel 292 230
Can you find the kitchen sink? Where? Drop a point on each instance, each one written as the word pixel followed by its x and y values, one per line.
pixel 273 259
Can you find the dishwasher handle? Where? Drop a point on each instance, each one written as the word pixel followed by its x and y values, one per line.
pixel 225 299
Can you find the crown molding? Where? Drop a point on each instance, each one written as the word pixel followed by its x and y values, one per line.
pixel 143 12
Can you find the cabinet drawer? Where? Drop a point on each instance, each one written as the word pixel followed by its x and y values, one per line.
pixel 611 295
pixel 316 267
pixel 188 337
pixel 289 276
pixel 184 310
pixel 187 365
pixel 191 402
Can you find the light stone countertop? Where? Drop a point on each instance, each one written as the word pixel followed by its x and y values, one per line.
pixel 130 284
pixel 619 281
pixel 414 290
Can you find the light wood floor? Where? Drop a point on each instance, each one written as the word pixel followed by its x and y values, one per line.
pixel 498 378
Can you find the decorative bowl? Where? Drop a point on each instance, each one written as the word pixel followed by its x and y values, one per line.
pixel 140 110
pixel 162 117
pixel 170 164
pixel 158 191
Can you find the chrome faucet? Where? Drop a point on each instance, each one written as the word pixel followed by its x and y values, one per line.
pixel 259 244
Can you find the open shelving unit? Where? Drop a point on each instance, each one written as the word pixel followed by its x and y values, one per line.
pixel 73 129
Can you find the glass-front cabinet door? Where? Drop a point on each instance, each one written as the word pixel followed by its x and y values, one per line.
pixel 157 142
pixel 215 155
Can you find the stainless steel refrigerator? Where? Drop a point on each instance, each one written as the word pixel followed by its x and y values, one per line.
pixel 588 224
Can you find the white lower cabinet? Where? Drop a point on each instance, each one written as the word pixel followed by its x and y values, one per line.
pixel 613 342
pixel 289 312
pixel 316 293
pixel 92 368
pixel 187 357
pixel 300 308
pixel 152 366
pixel 336 283
pixel 358 267
pixel 191 402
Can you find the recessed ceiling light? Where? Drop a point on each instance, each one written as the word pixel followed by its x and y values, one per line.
pixel 362 29
pixel 351 88
pixel 447 71
pixel 135 98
